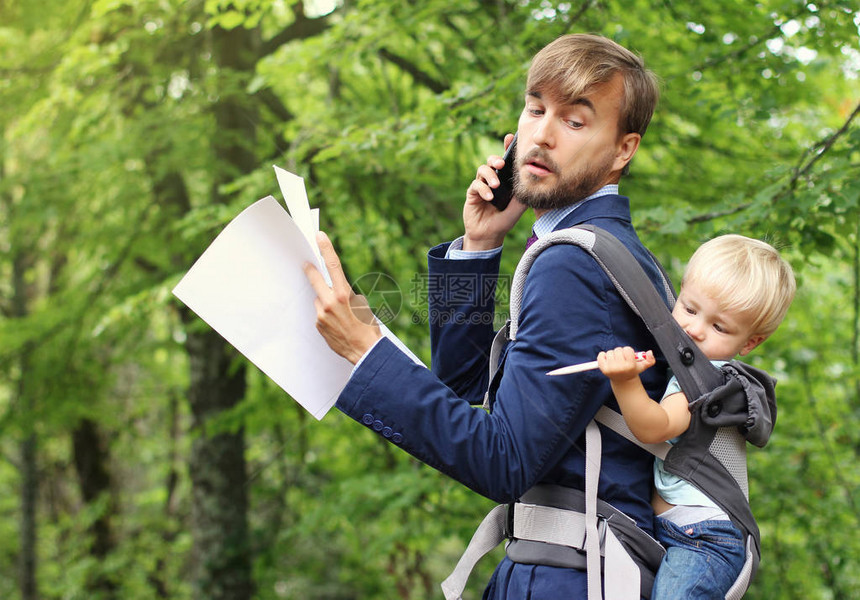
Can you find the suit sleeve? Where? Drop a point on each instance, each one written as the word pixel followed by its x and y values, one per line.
pixel 536 418
pixel 461 310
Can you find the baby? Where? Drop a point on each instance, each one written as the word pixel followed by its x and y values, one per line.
pixel 734 294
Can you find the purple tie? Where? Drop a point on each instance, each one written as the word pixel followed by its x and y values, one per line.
pixel 532 239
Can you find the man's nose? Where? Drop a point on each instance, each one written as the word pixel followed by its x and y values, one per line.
pixel 544 134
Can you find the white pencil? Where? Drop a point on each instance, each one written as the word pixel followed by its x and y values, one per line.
pixel 586 366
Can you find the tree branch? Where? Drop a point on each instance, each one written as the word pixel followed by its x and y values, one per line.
pixel 720 213
pixel 300 29
pixel 821 148
pixel 468 43
pixel 274 104
pixel 752 43
pixel 417 74
pixel 574 19
pixel 108 275
pixel 801 170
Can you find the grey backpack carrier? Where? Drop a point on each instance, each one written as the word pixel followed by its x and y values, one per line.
pixel 558 526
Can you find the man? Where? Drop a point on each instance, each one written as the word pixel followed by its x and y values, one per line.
pixel 588 101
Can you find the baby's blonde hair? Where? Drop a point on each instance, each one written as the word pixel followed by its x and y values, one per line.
pixel 744 276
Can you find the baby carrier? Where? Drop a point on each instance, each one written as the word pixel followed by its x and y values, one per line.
pixel 563 527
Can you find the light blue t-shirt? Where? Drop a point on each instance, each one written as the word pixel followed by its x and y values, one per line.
pixel 672 488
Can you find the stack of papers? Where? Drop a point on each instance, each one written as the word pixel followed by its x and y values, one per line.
pixel 249 286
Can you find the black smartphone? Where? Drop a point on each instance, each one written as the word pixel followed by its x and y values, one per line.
pixel 502 194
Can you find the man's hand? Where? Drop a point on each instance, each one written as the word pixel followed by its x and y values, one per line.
pixel 486 225
pixel 343 319
pixel 621 364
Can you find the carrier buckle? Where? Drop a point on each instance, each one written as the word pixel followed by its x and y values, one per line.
pixel 509 521
pixel 602 524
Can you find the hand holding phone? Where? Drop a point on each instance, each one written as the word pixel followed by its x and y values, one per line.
pixel 502 194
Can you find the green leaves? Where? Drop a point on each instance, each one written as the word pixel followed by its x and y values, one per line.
pixel 112 180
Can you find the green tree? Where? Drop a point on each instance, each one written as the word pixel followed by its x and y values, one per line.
pixel 145 458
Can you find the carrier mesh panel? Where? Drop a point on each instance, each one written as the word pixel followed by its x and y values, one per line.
pixel 730 448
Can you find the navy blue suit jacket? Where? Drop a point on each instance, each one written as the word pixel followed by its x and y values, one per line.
pixel 534 434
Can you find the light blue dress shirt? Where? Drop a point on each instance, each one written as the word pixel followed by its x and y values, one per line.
pixel 544 225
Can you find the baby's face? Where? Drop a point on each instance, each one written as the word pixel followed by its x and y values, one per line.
pixel 719 334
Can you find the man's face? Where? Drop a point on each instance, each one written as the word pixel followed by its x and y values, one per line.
pixel 568 150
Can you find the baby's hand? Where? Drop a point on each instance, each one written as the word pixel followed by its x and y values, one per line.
pixel 623 363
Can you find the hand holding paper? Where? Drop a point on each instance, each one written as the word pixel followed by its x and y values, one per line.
pixel 250 286
pixel 346 333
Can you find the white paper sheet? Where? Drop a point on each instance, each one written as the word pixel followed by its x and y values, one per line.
pixel 250 287
pixel 296 198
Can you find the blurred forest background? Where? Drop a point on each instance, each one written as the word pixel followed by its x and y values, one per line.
pixel 141 457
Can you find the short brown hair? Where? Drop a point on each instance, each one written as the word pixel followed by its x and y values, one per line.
pixel 573 63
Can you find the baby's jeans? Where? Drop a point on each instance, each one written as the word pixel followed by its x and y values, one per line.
pixel 702 560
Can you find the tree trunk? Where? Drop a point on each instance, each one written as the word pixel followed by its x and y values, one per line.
pixel 219 492
pixel 22 294
pixel 91 458
pixel 218 472
pixel 219 521
pixel 29 492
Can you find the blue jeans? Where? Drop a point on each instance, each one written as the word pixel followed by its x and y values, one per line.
pixel 702 560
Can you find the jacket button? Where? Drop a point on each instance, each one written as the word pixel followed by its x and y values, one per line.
pixel 396 438
pixel 387 431
pixel 367 419
pixel 377 425
pixel 715 409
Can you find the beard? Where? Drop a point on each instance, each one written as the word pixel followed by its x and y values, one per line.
pixel 569 188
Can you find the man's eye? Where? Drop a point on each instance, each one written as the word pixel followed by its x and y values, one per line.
pixel 575 124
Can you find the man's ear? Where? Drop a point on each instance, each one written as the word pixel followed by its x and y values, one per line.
pixel 626 148
pixel 752 343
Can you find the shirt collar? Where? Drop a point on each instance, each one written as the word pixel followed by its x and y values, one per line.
pixel 550 219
